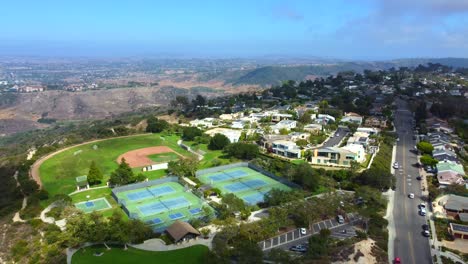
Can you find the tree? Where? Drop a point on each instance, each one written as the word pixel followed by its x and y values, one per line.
pixel 205 232
pixel 302 142
pixel 155 125
pixel 199 101
pixel 306 118
pixel 376 177
pixel 279 256
pixel 185 167
pixel 307 176
pixel 94 174
pixel 277 196
pixel 427 160
pixel 218 141
pixel 190 133
pixel 318 245
pixel 233 202
pixel 242 150
pixel 425 147
pixel 122 175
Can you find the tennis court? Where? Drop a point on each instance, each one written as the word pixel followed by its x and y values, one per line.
pixel 244 182
pixel 93 205
pixel 160 203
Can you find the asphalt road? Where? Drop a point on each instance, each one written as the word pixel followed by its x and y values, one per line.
pixel 335 140
pixel 410 245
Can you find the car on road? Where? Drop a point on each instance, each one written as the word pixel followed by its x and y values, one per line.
pixel 426 233
pixel 418 178
pixel 422 211
pixel 411 195
pixel 425 227
pixel 397 260
pixel 337 134
pixel 395 165
pixel 298 248
pixel 422 205
pixel 303 231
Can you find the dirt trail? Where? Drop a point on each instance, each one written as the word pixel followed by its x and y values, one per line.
pixel 34 171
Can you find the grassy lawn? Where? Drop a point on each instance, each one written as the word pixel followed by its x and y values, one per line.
pixel 209 156
pixel 383 158
pixel 191 255
pixel 366 163
pixel 298 161
pixel 164 157
pixel 151 175
pixel 59 172
pixel 98 193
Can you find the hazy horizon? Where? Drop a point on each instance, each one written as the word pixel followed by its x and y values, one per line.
pixel 337 29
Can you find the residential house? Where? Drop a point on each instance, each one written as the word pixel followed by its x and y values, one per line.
pixel 456 205
pixel 459 231
pixel 286 149
pixel 375 121
pixel 206 122
pixel 444 155
pixel 332 156
pixel 447 178
pixel 358 150
pixel 351 117
pixel 323 119
pixel 450 166
pixel 284 124
pixel 231 134
pixel 277 117
pixel 295 136
pixel 313 128
pixel 359 138
pixel 239 124
pixel 368 130
pixel 231 116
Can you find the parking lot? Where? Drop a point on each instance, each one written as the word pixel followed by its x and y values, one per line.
pixel 293 237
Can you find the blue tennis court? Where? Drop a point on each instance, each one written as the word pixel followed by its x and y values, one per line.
pixel 236 187
pixel 176 216
pixel 89 204
pixel 254 198
pixel 140 195
pixel 236 174
pixel 154 221
pixel 195 211
pixel 255 183
pixel 152 208
pixel 161 190
pixel 219 177
pixel 176 203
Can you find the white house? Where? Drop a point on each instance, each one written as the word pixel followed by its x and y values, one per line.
pixel 358 150
pixel 368 130
pixel 352 118
pixel 284 124
pixel 206 122
pixel 231 134
pixel 286 148
pixel 239 124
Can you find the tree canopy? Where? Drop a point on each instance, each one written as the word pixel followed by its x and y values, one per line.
pixel 94 174
pixel 155 125
pixel 183 167
pixel 124 175
pixel 425 147
pixel 190 133
pixel 218 141
pixel 242 150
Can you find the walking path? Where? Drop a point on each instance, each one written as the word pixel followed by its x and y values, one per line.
pixel 389 214
pixel 17 217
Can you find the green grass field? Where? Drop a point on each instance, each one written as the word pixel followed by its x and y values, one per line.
pixel 210 155
pixel 58 173
pixel 164 157
pixel 190 255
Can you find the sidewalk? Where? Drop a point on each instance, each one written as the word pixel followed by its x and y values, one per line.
pixel 389 214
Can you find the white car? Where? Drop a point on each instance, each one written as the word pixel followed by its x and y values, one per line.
pixel 422 205
pixel 395 165
pixel 422 211
pixel 411 195
pixel 303 231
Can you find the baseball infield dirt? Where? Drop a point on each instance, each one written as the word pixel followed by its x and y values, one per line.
pixel 139 157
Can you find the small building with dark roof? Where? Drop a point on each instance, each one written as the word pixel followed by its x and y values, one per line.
pixel 456 205
pixel 182 231
pixel 459 231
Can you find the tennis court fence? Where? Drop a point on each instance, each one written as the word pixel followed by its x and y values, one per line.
pixel 139 185
pixel 251 166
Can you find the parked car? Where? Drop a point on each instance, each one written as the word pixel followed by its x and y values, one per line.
pixel 397 260
pixel 426 233
pixel 422 205
pixel 422 211
pixel 395 165
pixel 303 231
pixel 298 248
pixel 418 178
pixel 411 195
pixel 340 219
pixel 425 227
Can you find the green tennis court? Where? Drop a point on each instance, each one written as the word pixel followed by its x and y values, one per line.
pixel 94 205
pixel 244 182
pixel 160 204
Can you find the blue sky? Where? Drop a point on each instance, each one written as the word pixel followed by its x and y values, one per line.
pixel 351 29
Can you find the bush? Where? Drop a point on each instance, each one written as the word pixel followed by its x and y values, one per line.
pixel 190 133
pixel 218 141
pixel 241 150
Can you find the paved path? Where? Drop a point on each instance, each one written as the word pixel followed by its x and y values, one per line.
pixel 157 244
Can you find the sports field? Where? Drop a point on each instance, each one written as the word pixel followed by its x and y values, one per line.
pixel 93 205
pixel 244 182
pixel 58 173
pixel 164 157
pixel 159 205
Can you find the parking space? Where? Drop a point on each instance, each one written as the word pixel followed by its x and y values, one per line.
pixel 295 235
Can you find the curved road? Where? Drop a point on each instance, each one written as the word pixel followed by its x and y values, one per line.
pixel 410 245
